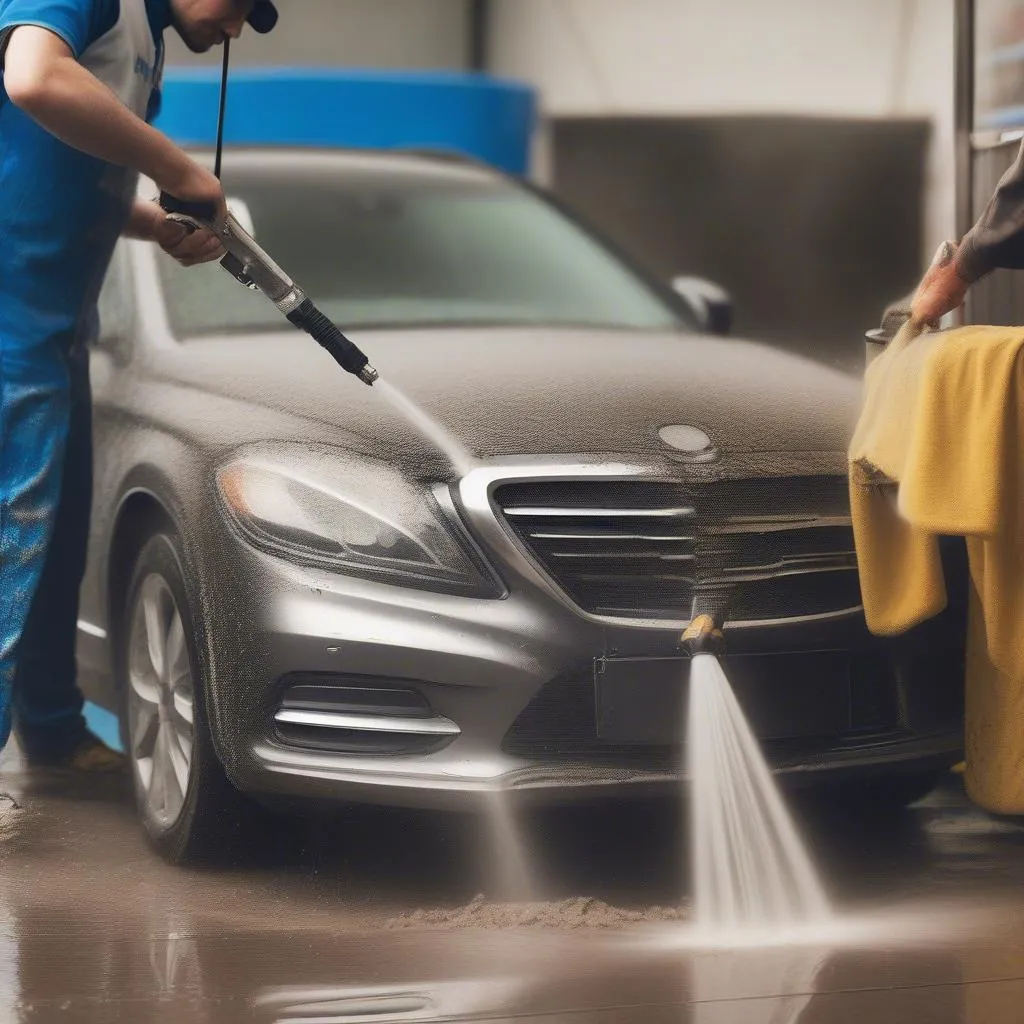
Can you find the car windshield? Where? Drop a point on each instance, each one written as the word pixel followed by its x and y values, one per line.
pixel 388 242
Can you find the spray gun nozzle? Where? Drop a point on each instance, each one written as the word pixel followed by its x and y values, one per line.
pixel 368 375
pixel 703 636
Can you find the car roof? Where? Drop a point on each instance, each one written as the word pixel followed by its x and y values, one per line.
pixel 439 166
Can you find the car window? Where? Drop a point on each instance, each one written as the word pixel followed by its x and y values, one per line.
pixel 403 249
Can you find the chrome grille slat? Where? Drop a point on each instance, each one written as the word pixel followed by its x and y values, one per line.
pixel 776 524
pixel 845 558
pixel 602 513
pixel 633 555
pixel 822 563
pixel 751 576
pixel 649 537
pixel 786 546
pixel 625 577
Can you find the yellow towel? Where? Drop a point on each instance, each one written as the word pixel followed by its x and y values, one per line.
pixel 939 449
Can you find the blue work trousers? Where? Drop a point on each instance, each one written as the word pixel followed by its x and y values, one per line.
pixel 45 502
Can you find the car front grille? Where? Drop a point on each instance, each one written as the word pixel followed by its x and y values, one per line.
pixel 781 548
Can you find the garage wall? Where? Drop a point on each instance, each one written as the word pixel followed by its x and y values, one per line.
pixel 799 152
pixel 827 58
pixel 420 34
pixel 811 224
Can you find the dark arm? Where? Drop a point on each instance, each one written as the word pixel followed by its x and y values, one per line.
pixel 997 239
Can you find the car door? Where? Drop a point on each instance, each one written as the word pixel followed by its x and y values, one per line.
pixel 107 356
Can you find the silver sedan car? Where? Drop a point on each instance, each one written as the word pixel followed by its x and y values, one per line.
pixel 298 589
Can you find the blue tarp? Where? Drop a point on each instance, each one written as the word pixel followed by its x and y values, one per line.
pixel 484 117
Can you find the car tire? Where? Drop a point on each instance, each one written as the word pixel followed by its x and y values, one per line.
pixel 189 810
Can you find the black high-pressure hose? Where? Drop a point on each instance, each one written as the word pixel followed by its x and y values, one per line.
pixel 250 265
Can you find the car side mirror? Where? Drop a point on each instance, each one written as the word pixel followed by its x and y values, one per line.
pixel 709 303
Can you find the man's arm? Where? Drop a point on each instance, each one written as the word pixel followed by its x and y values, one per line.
pixel 43 78
pixel 149 223
pixel 142 220
pixel 995 241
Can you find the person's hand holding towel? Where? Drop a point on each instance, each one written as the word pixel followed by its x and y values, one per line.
pixel 941 290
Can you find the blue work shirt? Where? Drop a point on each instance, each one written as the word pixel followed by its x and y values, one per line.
pixel 61 210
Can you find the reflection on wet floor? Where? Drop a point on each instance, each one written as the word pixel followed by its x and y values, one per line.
pixel 94 928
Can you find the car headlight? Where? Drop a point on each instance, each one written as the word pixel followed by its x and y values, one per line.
pixel 329 509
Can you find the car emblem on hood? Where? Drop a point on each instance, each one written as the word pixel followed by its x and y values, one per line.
pixel 689 441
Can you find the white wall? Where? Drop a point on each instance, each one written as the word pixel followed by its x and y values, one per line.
pixel 857 58
pixel 352 33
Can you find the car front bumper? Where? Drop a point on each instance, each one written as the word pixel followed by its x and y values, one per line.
pixel 486 666
pixel 452 783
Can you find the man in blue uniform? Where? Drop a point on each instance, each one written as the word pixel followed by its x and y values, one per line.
pixel 81 82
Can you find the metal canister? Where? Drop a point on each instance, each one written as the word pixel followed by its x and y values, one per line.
pixel 895 316
pixel 875 341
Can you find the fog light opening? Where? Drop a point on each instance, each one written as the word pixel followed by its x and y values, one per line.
pixel 360 717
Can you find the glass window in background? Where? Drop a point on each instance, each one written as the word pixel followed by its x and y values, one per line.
pixel 999 65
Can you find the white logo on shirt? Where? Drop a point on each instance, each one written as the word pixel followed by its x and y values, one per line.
pixel 145 70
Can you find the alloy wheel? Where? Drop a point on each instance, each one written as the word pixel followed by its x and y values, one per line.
pixel 161 702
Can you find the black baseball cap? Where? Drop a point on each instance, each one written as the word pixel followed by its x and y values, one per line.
pixel 264 16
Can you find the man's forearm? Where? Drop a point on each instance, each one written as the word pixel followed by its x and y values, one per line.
pixel 43 78
pixel 142 221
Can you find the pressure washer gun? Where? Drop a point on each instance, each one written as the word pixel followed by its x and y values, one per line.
pixel 249 264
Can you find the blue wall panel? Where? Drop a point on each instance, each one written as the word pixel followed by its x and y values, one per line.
pixel 104 725
pixel 484 117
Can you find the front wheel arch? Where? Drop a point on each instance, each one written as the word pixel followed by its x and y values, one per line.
pixel 215 820
pixel 141 516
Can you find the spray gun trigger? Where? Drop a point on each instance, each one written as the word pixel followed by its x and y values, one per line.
pixel 190 224
pixel 237 269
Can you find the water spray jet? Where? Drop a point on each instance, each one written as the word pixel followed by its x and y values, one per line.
pixel 253 267
pixel 514 873
pixel 752 871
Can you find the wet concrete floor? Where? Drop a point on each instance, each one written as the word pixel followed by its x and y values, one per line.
pixel 93 927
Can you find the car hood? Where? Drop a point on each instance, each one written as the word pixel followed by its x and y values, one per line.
pixel 506 392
